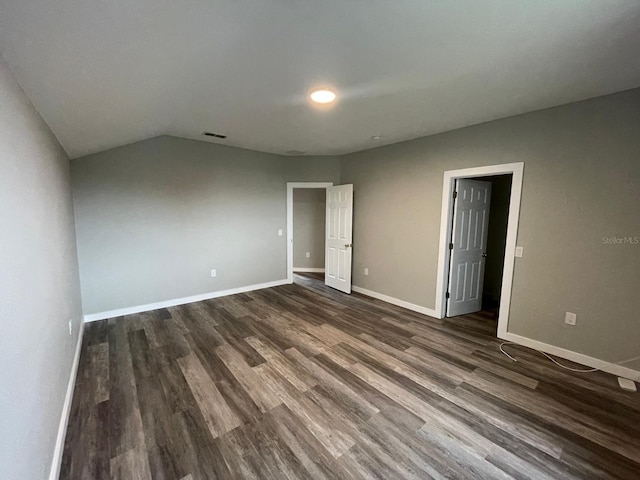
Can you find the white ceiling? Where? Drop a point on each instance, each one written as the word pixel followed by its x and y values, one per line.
pixel 105 73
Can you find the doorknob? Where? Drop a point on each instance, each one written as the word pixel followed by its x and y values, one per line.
pixel 484 255
pixel 347 245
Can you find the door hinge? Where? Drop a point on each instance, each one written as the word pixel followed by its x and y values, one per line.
pixel 447 294
pixel 451 246
pixel 455 194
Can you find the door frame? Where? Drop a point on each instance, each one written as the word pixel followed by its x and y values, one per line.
pixel 450 176
pixel 290 187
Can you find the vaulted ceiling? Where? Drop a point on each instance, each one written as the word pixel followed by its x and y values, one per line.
pixel 104 73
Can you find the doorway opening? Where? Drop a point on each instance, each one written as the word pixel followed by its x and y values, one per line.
pixel 496 240
pixel 309 209
pixel 338 233
pixel 477 244
pixel 456 261
pixel 306 210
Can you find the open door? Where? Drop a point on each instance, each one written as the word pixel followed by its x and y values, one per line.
pixel 468 246
pixel 339 237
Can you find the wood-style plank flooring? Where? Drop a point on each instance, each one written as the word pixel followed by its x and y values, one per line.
pixel 303 382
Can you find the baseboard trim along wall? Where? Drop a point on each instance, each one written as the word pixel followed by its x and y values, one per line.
pixel 308 270
pixel 56 462
pixel 92 317
pixel 395 301
pixel 613 368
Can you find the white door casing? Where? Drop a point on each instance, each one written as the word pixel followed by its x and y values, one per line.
pixel 339 234
pixel 468 246
pixel 446 220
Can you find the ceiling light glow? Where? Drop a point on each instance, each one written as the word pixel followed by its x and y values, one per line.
pixel 323 95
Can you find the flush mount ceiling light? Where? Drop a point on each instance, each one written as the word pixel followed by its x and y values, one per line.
pixel 323 95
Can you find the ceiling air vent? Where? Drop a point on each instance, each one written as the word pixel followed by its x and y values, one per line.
pixel 215 135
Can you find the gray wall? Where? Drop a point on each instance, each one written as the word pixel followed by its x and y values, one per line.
pixel 38 285
pixel 497 237
pixel 582 172
pixel 309 210
pixel 154 217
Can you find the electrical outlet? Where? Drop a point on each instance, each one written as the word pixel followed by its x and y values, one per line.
pixel 570 318
pixel 308 254
pixel 366 271
pixel 70 327
pixel 213 272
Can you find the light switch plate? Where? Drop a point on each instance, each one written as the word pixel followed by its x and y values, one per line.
pixel 570 318
pixel 519 252
pixel 280 232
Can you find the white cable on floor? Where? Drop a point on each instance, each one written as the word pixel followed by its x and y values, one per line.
pixel 502 350
pixel 588 370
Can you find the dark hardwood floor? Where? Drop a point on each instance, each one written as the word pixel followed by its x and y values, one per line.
pixel 303 382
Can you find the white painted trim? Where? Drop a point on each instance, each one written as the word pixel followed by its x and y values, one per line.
pixel 308 270
pixel 613 368
pixel 395 301
pixel 517 170
pixel 180 301
pixel 290 187
pixel 56 462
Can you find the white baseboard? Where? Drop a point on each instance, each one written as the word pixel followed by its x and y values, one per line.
pixel 66 410
pixel 614 369
pixel 92 317
pixel 308 270
pixel 401 303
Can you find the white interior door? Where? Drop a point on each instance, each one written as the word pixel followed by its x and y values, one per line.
pixel 339 237
pixel 468 246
